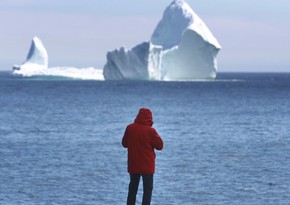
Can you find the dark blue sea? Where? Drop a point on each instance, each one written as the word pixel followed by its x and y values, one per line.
pixel 227 141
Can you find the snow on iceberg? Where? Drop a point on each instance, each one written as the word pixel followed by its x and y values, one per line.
pixel 36 64
pixel 184 49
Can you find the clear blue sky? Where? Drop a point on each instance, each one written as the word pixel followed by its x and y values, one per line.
pixel 254 34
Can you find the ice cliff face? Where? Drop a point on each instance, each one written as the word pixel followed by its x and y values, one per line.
pixel 193 58
pixel 181 48
pixel 37 58
pixel 139 63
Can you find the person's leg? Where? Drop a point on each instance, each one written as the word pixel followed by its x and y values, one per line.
pixel 147 188
pixel 133 188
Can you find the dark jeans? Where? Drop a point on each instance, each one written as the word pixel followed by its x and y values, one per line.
pixel 147 188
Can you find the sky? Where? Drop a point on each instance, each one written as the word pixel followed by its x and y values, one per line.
pixel 254 34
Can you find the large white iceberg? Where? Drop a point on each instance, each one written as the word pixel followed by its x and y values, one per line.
pixel 36 64
pixel 181 48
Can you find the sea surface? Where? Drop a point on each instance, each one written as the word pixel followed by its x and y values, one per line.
pixel 227 141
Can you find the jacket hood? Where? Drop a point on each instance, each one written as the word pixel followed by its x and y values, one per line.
pixel 144 117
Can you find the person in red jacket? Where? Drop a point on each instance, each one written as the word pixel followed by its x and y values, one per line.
pixel 141 140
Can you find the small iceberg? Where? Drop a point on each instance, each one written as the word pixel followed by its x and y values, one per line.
pixel 36 64
pixel 37 58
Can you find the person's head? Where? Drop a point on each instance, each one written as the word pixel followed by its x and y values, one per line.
pixel 144 116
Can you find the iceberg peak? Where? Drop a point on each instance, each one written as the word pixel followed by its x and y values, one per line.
pixel 176 18
pixel 37 57
pixel 190 49
pixel 37 53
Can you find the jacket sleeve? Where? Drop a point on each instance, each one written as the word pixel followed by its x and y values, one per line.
pixel 156 140
pixel 124 139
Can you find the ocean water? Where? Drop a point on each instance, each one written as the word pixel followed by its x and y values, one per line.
pixel 227 141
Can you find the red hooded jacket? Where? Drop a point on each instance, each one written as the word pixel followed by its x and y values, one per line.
pixel 141 139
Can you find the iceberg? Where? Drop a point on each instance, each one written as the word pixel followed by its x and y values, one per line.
pixel 36 64
pixel 181 48
pixel 37 58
